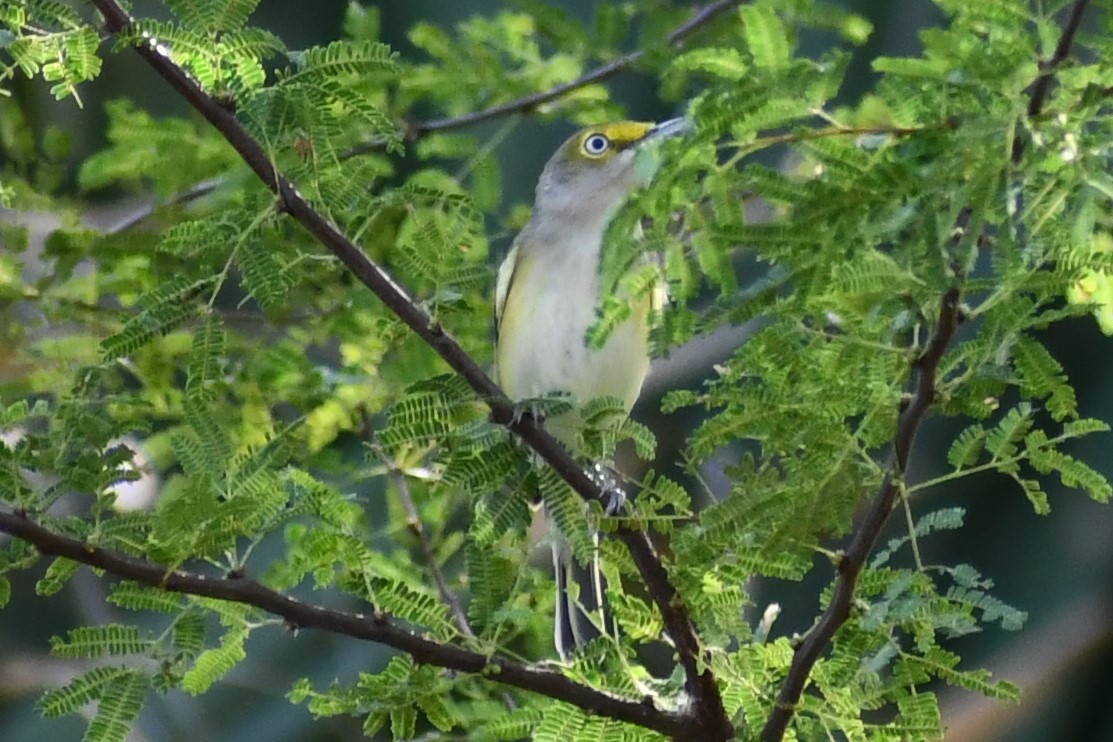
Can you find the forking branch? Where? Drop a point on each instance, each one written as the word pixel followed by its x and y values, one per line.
pixel 379 281
pixel 374 627
pixel 866 534
pixel 908 424
pixel 706 717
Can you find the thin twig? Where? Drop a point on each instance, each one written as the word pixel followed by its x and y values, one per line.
pixel 868 531
pixel 528 103
pixel 375 627
pixel 1042 85
pixel 532 102
pixel 897 132
pixel 417 528
pixel 707 719
pixel 145 212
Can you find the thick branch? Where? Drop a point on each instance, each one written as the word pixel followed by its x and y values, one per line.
pixel 1042 86
pixel 375 627
pixel 707 713
pixel 531 102
pixel 868 531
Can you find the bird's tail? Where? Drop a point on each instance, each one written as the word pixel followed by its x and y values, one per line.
pixel 581 614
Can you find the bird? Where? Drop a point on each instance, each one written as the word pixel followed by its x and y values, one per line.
pixel 548 296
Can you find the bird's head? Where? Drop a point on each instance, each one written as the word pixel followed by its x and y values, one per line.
pixel 594 171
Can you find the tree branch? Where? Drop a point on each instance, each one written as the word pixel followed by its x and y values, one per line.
pixel 146 211
pixel 376 627
pixel 417 528
pixel 708 717
pixel 1042 85
pixel 528 103
pixel 868 531
pixel 676 38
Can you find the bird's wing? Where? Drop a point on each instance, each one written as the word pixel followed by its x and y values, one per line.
pixel 502 285
pixel 659 296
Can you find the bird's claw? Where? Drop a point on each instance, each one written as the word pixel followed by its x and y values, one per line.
pixel 614 497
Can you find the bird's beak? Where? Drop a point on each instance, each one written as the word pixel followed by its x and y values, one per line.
pixel 668 129
pixel 647 155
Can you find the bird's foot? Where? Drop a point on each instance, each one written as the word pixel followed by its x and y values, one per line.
pixel 614 497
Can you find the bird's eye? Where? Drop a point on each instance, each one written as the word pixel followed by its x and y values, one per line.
pixel 596 144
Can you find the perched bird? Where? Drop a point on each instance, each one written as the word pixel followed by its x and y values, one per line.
pixel 548 296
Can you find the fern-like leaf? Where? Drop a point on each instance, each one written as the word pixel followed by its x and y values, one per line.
pixel 119 706
pixel 212 664
pixel 84 689
pixel 160 311
pixel 97 641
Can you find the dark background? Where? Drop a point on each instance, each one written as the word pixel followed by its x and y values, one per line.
pixel 1059 568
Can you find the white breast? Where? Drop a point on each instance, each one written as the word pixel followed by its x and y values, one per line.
pixel 551 304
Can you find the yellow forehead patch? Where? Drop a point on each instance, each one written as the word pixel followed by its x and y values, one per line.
pixel 621 133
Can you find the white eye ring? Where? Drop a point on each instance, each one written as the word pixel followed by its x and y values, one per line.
pixel 596 144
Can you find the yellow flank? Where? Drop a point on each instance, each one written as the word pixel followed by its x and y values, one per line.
pixel 550 303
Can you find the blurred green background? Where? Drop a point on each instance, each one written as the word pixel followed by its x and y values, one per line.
pixel 1059 568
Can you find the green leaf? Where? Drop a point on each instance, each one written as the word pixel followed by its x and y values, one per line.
pixel 725 63
pixel 97 641
pixel 87 687
pixel 160 311
pixel 212 664
pixel 1043 377
pixel 263 276
pixel 136 597
pixel 514 725
pixel 1072 472
pixel 766 37
pixel 967 447
pixel 119 706
pixel 57 575
pixel 204 374
pixel 1002 440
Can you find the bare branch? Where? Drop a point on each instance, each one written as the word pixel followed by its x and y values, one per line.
pixel 376 627
pixel 532 102
pixel 417 528
pixel 708 716
pixel 1042 86
pixel 868 531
